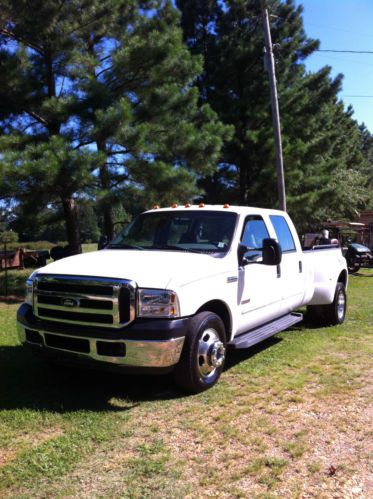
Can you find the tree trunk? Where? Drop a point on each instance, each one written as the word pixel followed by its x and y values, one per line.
pixel 72 225
pixel 107 207
pixel 243 182
pixel 108 222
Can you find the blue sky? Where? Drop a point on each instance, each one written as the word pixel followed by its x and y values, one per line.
pixel 344 25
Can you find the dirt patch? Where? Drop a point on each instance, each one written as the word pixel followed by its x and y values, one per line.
pixel 311 447
pixel 6 456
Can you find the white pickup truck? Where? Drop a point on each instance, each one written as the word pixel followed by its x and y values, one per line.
pixel 177 287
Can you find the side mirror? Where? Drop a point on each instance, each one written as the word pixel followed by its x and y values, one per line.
pixel 272 252
pixel 241 254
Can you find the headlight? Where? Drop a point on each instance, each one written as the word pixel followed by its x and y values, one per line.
pixel 29 292
pixel 157 303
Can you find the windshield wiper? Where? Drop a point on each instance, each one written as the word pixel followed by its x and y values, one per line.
pixel 169 247
pixel 124 246
pixel 179 248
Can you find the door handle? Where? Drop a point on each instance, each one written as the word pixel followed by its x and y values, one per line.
pixel 300 266
pixel 278 271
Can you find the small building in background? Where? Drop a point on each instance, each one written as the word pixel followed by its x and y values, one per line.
pixel 366 218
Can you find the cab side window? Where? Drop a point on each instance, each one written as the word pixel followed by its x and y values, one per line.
pixel 254 232
pixel 283 233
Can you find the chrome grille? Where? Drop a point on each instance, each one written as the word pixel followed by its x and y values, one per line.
pixel 91 301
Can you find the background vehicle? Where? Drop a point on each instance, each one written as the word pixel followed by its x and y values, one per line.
pixel 357 256
pixel 177 287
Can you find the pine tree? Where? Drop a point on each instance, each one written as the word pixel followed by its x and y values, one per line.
pixel 321 142
pixel 98 97
pixel 41 45
pixel 141 111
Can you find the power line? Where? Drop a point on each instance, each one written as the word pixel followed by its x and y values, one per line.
pixel 346 51
pixel 364 96
pixel 339 29
pixel 329 57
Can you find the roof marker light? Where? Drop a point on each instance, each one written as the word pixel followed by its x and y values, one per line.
pixel 226 205
pixel 174 205
pixel 201 205
pixel 156 206
pixel 187 205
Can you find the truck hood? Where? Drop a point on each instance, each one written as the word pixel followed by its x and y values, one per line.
pixel 149 269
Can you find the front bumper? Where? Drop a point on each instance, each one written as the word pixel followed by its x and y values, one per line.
pixel 118 348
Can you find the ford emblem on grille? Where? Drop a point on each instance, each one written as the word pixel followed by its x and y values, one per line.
pixel 69 302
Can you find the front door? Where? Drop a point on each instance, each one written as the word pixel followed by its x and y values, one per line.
pixel 259 293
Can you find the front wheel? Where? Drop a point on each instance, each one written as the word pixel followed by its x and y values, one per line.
pixel 203 356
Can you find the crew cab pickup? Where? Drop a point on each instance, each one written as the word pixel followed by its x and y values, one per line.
pixel 177 288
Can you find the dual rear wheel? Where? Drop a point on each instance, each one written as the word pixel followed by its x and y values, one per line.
pixel 333 314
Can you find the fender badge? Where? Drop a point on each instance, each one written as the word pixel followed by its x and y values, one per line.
pixel 232 279
pixel 69 302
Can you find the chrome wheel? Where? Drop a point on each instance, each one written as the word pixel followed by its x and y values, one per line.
pixel 341 305
pixel 210 353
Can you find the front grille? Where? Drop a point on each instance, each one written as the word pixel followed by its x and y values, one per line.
pixel 98 304
pixel 74 287
pixel 84 300
pixel 74 316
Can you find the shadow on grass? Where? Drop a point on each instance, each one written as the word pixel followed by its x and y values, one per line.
pixel 27 382
pixel 234 357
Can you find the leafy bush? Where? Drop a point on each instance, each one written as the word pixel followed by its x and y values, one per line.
pixel 8 236
pixel 35 245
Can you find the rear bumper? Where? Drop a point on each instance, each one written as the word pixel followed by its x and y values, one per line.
pixel 101 346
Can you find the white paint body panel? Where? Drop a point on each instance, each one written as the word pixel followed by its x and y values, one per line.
pixel 253 294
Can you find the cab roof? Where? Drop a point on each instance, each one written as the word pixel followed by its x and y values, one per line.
pixel 241 210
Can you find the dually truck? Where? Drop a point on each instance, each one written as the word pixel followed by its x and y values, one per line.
pixel 179 287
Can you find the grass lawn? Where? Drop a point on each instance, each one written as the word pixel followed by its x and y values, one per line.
pixel 289 418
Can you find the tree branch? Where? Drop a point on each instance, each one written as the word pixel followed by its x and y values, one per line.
pixel 38 118
pixel 7 32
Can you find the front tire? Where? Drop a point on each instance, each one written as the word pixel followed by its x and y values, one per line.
pixel 203 356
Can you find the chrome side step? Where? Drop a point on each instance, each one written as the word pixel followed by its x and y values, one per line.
pixel 261 333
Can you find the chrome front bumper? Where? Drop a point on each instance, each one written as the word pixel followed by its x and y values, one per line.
pixel 146 353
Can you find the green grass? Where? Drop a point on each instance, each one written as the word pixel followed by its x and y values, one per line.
pixel 282 413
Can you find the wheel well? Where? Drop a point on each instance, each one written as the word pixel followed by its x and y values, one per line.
pixel 221 309
pixel 343 277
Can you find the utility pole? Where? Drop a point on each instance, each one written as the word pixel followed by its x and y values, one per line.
pixel 270 67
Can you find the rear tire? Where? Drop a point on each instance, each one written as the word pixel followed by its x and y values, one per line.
pixel 203 356
pixel 330 315
pixel 353 265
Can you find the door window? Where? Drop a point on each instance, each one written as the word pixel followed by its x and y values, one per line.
pixel 253 234
pixel 283 233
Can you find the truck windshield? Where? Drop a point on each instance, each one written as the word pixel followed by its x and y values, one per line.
pixel 196 231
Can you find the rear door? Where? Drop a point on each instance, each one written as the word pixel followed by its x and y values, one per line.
pixel 291 268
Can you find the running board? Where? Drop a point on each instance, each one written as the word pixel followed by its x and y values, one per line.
pixel 255 336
